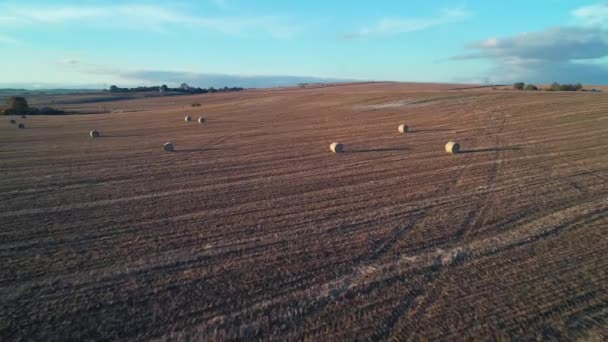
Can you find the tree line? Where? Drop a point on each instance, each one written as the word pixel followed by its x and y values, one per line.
pixel 554 87
pixel 17 105
pixel 183 88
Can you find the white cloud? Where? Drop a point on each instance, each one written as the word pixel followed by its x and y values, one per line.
pixel 390 26
pixel 141 17
pixel 593 15
pixel 68 61
pixel 555 44
pixel 563 54
pixel 4 39
pixel 492 42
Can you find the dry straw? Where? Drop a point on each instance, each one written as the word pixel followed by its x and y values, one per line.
pixel 336 147
pixel 187 118
pixel 201 120
pixel 403 129
pixel 94 134
pixel 168 146
pixel 452 147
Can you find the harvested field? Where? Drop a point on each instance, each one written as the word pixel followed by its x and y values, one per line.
pixel 252 228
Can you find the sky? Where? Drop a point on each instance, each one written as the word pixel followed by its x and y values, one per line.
pixel 264 43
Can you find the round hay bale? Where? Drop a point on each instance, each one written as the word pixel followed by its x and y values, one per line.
pixel 23 116
pixel 94 134
pixel 22 126
pixel 201 120
pixel 452 147
pixel 187 118
pixel 13 122
pixel 168 146
pixel 336 147
pixel 403 129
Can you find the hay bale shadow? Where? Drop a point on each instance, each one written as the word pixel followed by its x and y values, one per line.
pixel 371 150
pixel 430 130
pixel 491 149
pixel 196 150
pixel 121 135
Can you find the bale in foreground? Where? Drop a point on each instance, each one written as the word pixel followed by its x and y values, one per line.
pixel 187 118
pixel 21 126
pixel 336 147
pixel 94 134
pixel 403 129
pixel 168 146
pixel 452 147
pixel 201 120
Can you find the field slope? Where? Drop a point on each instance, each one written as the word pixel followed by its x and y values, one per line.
pixel 253 229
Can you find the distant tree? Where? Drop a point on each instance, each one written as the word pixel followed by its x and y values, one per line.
pixel 519 85
pixel 530 87
pixel 16 105
pixel 141 89
pixel 566 87
pixel 49 111
pixel 183 88
pixel 572 87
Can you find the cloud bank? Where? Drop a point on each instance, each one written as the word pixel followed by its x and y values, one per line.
pixel 561 54
pixel 219 80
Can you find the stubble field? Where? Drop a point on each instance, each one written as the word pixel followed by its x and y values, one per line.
pixel 254 229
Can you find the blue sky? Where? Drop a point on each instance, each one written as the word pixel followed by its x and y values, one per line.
pixel 260 43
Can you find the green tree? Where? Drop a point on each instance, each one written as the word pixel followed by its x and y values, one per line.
pixel 567 87
pixel 530 87
pixel 519 85
pixel 16 105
